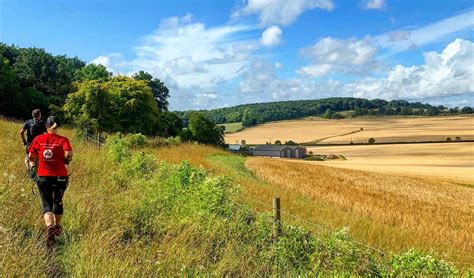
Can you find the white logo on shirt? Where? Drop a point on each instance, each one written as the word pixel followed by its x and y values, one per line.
pixel 48 154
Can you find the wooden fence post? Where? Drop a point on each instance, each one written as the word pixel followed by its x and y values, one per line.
pixel 98 140
pixel 276 217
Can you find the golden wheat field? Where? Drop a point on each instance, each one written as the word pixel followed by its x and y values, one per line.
pixel 383 129
pixel 389 211
pixel 453 161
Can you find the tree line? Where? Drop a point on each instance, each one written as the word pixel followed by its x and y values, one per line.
pixel 90 97
pixel 329 108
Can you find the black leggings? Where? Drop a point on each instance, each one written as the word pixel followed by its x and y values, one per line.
pixel 52 190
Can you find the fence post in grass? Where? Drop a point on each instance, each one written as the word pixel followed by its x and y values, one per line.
pixel 276 218
pixel 98 140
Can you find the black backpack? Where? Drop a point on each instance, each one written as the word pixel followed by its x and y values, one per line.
pixel 36 128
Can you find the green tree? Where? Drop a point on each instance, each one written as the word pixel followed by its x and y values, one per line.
pixel 328 114
pixel 205 131
pixel 277 142
pixel 92 72
pixel 120 104
pixel 160 91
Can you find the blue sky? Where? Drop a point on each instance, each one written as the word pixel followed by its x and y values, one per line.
pixel 220 53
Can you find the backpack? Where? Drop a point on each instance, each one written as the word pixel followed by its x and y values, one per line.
pixel 36 128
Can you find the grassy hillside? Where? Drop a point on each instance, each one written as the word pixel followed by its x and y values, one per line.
pixel 142 211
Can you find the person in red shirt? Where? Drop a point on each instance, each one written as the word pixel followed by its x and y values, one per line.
pixel 50 152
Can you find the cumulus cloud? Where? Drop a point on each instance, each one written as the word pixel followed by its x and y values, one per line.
pixel 446 74
pixel 443 74
pixel 190 57
pixel 349 56
pixel 271 36
pixel 374 4
pixel 282 12
pixel 114 62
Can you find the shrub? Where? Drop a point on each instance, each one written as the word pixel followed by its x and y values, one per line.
pixel 135 140
pixel 371 140
pixel 415 263
pixel 448 139
pixel 277 142
pixel 117 149
pixel 290 143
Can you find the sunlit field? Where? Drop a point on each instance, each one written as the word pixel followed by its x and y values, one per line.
pixel 125 220
pixel 382 129
pixel 453 161
pixel 389 211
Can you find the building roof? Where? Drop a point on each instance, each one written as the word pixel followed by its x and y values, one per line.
pixel 294 147
pixel 234 147
pixel 270 148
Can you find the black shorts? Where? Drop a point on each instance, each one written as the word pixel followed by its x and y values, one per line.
pixel 51 191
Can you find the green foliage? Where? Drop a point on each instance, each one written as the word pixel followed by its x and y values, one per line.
pixel 120 104
pixel 159 90
pixel 277 142
pixel 92 72
pixel 205 131
pixel 290 143
pixel 135 140
pixel 49 77
pixel 118 150
pixel 415 263
pixel 330 108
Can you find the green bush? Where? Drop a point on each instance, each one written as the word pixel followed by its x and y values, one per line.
pixel 135 140
pixel 118 150
pixel 416 263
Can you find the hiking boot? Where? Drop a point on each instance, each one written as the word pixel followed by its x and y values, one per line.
pixel 50 230
pixel 57 230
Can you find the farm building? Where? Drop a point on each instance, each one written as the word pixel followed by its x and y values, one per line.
pixel 235 148
pixel 280 151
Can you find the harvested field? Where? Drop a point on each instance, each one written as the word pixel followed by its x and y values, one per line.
pixel 389 211
pixel 383 129
pixel 453 161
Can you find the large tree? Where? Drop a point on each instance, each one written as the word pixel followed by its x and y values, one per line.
pixel 92 72
pixel 160 91
pixel 205 131
pixel 120 104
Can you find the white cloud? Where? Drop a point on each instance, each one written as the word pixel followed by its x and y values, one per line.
pixel 349 56
pixel 278 65
pixel 374 4
pixel 442 31
pixel 282 12
pixel 113 62
pixel 450 72
pixel 191 58
pixel 271 36
pixel 446 75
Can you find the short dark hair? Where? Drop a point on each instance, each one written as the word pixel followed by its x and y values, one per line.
pixel 36 113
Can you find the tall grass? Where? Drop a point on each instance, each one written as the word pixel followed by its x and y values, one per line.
pixel 128 213
pixel 391 212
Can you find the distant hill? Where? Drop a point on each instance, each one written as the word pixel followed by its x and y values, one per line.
pixel 330 108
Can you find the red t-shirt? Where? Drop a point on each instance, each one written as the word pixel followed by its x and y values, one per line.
pixel 50 149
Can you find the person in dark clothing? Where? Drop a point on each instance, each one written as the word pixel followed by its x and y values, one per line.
pixel 32 128
pixel 50 152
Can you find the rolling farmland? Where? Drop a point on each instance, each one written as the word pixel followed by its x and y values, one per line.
pixel 383 129
pixel 453 162
pixel 389 211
